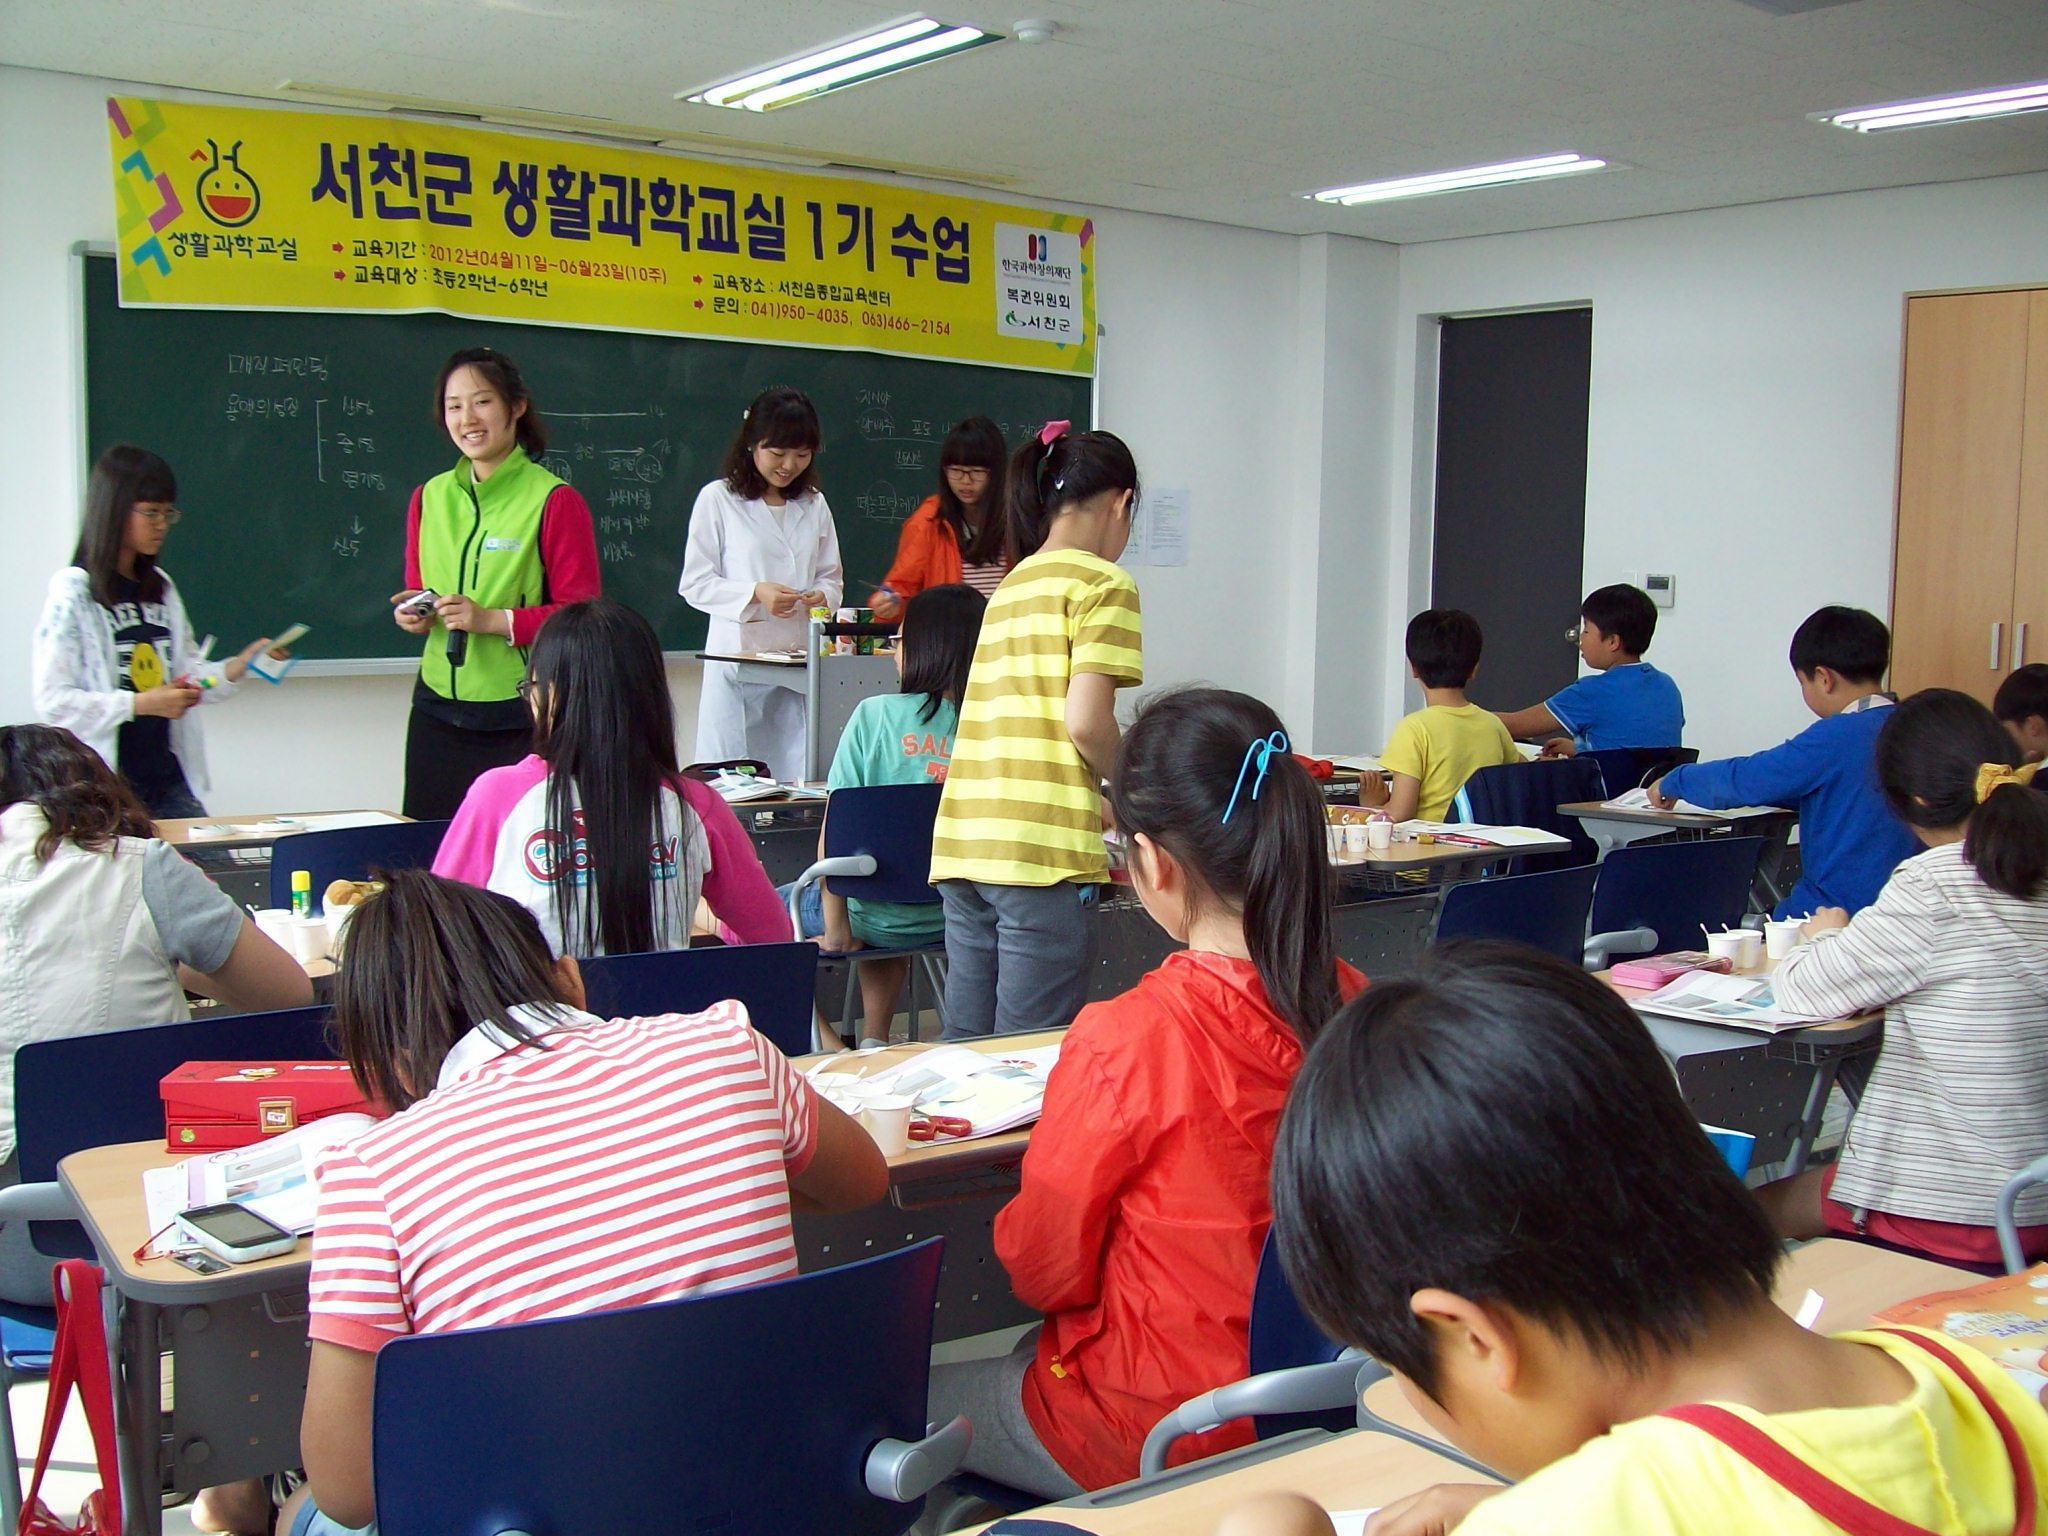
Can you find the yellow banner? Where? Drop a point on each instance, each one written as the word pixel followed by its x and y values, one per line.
pixel 245 208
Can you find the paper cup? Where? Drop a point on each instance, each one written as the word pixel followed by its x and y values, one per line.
pixel 887 1118
pixel 309 939
pixel 1782 937
pixel 1379 834
pixel 338 919
pixel 1739 948
pixel 1336 837
pixel 275 924
pixel 1355 838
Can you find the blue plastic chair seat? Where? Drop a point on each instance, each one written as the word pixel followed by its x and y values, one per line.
pixel 1547 910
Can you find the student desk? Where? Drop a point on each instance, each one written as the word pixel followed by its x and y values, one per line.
pixel 1362 1469
pixel 1774 1086
pixel 238 1339
pixel 240 864
pixel 1615 826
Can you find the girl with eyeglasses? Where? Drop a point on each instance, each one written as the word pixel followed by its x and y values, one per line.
pixel 114 660
pixel 956 535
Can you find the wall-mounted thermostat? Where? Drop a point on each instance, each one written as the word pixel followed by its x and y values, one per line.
pixel 1663 590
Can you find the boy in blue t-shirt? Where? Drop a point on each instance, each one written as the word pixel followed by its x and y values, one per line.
pixel 899 738
pixel 1849 840
pixel 1625 703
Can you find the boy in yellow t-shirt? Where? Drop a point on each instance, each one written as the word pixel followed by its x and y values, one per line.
pixel 1433 751
pixel 1487 1180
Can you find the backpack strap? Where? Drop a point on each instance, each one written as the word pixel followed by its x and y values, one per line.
pixel 1829 1499
pixel 79 1358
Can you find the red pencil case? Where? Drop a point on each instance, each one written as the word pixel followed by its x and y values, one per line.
pixel 212 1106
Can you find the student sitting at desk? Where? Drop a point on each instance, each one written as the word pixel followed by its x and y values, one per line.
pixel 104 927
pixel 1626 702
pixel 1955 950
pixel 2022 708
pixel 543 1162
pixel 1849 840
pixel 596 832
pixel 1435 750
pixel 1143 1208
pixel 899 738
pixel 1487 1180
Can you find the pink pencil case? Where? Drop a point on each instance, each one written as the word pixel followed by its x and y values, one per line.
pixel 1656 971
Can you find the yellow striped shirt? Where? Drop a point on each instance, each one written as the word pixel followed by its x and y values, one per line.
pixel 1021 806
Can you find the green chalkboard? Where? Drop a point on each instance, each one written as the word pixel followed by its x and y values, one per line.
pixel 297 440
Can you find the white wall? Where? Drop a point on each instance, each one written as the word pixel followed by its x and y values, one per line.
pixel 1197 375
pixel 1744 414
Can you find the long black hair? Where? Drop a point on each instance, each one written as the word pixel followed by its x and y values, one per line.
pixel 605 724
pixel 939 629
pixel 122 476
pixel 1181 765
pixel 1043 478
pixel 975 443
pixel 1929 756
pixel 427 960
pixel 1500 1125
pixel 779 418
pixel 502 374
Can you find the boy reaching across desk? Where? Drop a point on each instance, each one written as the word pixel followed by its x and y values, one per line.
pixel 1436 749
pixel 1849 840
pixel 1615 1344
pixel 1626 702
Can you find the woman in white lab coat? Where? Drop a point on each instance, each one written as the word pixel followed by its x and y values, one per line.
pixel 762 553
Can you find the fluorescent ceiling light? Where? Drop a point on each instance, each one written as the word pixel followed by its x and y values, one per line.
pixel 900 46
pixel 1943 109
pixel 1459 181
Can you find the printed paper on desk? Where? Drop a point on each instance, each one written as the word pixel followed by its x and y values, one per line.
pixel 1639 800
pixel 991 1093
pixel 1746 1002
pixel 273 1178
pixel 2005 1318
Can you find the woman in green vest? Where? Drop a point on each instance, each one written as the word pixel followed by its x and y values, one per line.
pixel 496 544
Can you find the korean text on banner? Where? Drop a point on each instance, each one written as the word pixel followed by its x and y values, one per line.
pixel 253 208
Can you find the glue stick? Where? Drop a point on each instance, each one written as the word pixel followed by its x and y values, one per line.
pixel 302 893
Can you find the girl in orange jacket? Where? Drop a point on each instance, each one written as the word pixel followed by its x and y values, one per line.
pixel 956 535
pixel 1144 1201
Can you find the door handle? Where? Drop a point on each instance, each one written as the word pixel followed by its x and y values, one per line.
pixel 2019 645
pixel 1997 642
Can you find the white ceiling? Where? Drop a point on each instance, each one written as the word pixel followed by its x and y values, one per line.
pixel 1227 110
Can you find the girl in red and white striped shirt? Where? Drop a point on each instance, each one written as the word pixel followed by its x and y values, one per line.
pixel 688 1141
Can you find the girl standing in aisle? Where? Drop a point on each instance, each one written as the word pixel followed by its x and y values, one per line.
pixel 503 543
pixel 1144 1201
pixel 114 660
pixel 762 553
pixel 1018 843
pixel 956 535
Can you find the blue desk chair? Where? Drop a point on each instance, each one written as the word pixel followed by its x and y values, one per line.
pixel 735 1412
pixel 1528 795
pixel 350 853
pixel 1301 1379
pixel 777 982
pixel 1653 897
pixel 878 847
pixel 1626 768
pixel 1547 910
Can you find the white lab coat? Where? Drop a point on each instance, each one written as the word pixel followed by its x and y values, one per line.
pixel 733 545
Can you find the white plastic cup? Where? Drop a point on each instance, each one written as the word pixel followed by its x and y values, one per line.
pixel 1379 834
pixel 1781 937
pixel 887 1118
pixel 337 926
pixel 275 923
pixel 1740 947
pixel 1336 835
pixel 309 939
pixel 1355 839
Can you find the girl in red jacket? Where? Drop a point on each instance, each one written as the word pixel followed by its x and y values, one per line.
pixel 1144 1200
pixel 957 535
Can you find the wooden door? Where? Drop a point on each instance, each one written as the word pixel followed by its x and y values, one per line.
pixel 1959 487
pixel 2029 641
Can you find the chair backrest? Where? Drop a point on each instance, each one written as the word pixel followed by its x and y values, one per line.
pixel 777 982
pixel 1675 889
pixel 350 853
pixel 94 1090
pixel 1528 795
pixel 891 823
pixel 740 1411
pixel 1281 1337
pixel 1627 768
pixel 1547 909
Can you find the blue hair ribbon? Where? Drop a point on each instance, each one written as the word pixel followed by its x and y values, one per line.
pixel 1263 751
